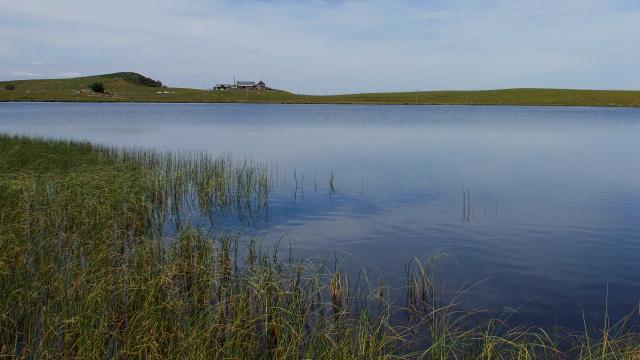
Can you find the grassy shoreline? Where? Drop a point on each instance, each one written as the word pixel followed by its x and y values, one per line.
pixel 123 90
pixel 88 269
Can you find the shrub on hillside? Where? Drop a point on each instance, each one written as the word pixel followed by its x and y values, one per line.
pixel 97 87
pixel 135 78
pixel 9 87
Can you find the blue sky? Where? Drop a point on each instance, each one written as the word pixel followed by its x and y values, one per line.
pixel 330 46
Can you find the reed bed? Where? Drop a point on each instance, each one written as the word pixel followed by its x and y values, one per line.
pixel 99 258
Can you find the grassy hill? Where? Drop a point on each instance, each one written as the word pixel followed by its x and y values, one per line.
pixel 133 87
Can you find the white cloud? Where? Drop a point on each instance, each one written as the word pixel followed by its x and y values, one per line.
pixel 24 74
pixel 338 46
pixel 68 74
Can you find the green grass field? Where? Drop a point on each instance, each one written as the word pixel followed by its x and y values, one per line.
pixel 88 270
pixel 123 87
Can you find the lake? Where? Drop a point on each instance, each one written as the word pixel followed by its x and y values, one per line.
pixel 537 207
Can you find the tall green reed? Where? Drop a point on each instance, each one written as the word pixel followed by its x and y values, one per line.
pixel 90 269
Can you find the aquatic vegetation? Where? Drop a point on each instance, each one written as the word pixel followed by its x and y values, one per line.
pixel 99 259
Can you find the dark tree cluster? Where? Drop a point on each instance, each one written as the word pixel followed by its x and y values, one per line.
pixel 97 87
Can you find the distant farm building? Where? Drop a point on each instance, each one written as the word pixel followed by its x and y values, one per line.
pixel 249 85
pixel 245 84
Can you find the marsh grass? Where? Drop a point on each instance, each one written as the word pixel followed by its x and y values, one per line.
pixel 89 269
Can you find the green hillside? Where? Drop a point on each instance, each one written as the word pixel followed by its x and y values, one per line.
pixel 133 87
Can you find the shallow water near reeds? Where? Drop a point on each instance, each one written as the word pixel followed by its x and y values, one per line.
pixel 538 207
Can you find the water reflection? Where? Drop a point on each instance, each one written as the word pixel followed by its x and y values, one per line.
pixel 469 205
pixel 539 205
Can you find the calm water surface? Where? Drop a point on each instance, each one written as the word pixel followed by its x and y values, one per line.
pixel 537 206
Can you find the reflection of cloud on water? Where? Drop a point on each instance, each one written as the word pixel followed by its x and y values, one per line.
pixel 533 199
pixel 125 130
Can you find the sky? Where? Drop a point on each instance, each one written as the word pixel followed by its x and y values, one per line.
pixel 329 46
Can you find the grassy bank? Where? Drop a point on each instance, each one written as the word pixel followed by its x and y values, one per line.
pixel 128 87
pixel 97 262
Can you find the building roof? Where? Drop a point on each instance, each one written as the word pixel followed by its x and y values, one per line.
pixel 245 83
